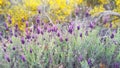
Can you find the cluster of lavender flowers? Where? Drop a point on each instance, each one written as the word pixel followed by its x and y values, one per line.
pixel 47 45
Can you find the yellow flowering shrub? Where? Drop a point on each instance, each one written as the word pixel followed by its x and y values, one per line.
pixel 17 14
pixel 117 9
pixel 4 4
pixel 22 11
pixel 32 4
pixel 117 2
pixel 79 1
pixel 116 22
pixel 103 1
pixel 57 10
pixel 97 9
pixel 61 9
pixel 1 1
pixel 93 3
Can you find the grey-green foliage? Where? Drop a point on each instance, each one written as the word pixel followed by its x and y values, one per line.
pixel 84 64
pixel 52 52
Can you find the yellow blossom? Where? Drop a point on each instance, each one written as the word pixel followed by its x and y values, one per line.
pixel 79 1
pixel 17 14
pixel 97 9
pixel 61 9
pixel 117 2
pixel 1 1
pixel 103 1
pixel 32 4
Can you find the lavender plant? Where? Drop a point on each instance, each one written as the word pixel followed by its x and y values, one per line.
pixel 81 42
pixel 52 47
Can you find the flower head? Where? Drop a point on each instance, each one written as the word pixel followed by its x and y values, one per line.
pixel 4 49
pixel 89 62
pixel 10 31
pixel 27 23
pixel 28 36
pixel 80 58
pixel 58 34
pixel 5 25
pixel 45 27
pixel 7 58
pixel 38 30
pixel 38 20
pixel 77 11
pixel 91 25
pixel 112 36
pixel 10 40
pixel 23 58
pixel 30 50
pixel 86 33
pixel 22 40
pixel 78 27
pixel 81 35
pixel 61 39
pixel 110 25
pixel 70 30
pixel 116 65
pixel 13 48
pixel 49 30
pixel 15 35
pixel 39 11
pixel 1 34
pixel 10 21
pixel 4 44
pixel 54 28
pixel 87 14
pixel 66 39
